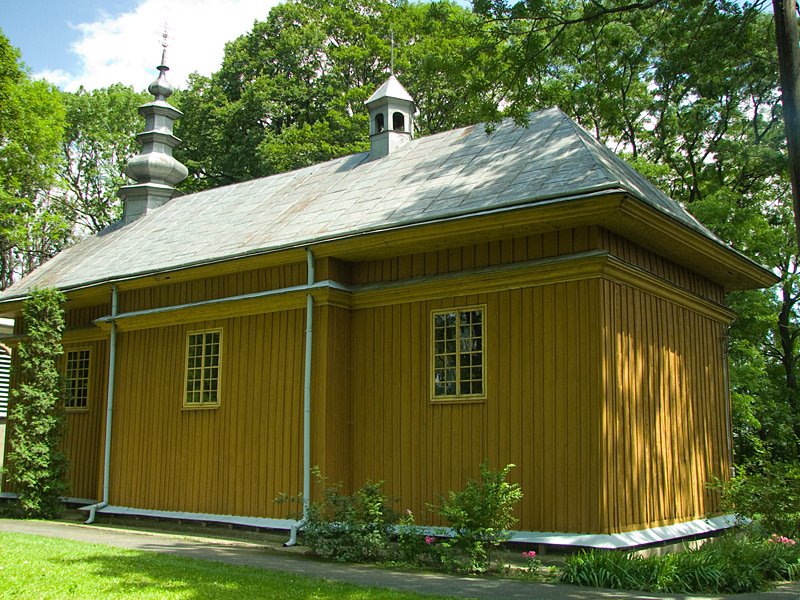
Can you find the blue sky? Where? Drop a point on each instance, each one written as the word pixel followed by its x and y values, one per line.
pixel 42 28
pixel 95 43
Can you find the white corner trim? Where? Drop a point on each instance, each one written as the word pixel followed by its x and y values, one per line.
pixel 190 516
pixel 630 539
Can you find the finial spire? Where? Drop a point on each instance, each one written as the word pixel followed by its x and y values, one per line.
pixel 161 88
pixel 164 44
pixel 391 62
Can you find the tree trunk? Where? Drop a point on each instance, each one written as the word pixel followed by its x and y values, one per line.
pixel 786 37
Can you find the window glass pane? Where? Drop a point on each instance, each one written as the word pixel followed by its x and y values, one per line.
pixel 457 343
pixel 202 367
pixel 77 378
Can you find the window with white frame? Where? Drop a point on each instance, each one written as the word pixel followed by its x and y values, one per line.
pixel 203 352
pixel 77 379
pixel 458 354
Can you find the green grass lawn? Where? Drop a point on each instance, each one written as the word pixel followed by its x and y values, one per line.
pixel 41 567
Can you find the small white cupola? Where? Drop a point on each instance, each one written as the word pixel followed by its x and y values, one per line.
pixel 391 118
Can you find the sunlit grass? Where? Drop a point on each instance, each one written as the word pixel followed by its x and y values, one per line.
pixel 40 567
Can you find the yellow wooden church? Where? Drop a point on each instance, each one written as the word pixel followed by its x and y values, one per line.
pixel 517 295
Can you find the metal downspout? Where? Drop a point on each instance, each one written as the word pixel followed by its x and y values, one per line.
pixel 306 403
pixel 112 359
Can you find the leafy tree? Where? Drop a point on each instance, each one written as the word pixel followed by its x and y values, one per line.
pixel 37 464
pixel 99 139
pixel 689 92
pixel 291 92
pixel 31 127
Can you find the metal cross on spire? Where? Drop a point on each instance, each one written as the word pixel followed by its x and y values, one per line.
pixel 164 44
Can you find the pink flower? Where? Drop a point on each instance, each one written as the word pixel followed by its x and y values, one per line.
pixel 529 554
pixel 429 539
pixel 782 539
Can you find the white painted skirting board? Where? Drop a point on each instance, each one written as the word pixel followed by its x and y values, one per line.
pixel 631 539
pixel 190 516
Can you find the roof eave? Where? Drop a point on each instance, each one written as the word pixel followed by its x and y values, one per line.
pixel 687 247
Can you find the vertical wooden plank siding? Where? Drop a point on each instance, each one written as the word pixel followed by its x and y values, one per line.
pixel 83 435
pixel 542 394
pixel 234 459
pixel 635 255
pixel 331 408
pixel 476 255
pixel 664 410
pixel 209 288
pixel 83 439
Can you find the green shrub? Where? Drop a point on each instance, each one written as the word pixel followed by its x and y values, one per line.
pixel 37 466
pixel 349 528
pixel 766 494
pixel 733 564
pixel 413 547
pixel 480 516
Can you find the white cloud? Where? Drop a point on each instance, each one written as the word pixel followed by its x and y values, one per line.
pixel 126 48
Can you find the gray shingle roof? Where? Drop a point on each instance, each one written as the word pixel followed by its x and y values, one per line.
pixel 453 173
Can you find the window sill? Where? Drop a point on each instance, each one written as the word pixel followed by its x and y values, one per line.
pixel 461 400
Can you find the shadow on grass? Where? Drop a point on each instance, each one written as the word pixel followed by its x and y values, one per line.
pixel 143 575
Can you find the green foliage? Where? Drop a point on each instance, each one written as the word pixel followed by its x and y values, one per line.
pixel 32 228
pixel 415 548
pixel 37 464
pixel 767 494
pixel 347 528
pixel 291 92
pixel 730 565
pixel 481 515
pixel 99 139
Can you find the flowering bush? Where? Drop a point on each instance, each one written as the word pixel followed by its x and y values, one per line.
pixel 781 539
pixel 533 564
pixel 414 548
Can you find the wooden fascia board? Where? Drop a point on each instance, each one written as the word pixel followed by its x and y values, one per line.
pixel 459 230
pixel 325 293
pixel 558 269
pixel 580 266
pixel 618 271
pixel 574 267
pixel 84 334
pixel 655 231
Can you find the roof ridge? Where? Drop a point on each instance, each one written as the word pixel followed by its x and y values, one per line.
pixel 630 178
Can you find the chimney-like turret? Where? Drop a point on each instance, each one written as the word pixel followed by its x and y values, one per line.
pixel 154 169
pixel 391 118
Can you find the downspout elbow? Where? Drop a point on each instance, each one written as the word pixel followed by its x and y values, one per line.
pixel 93 508
pixel 293 533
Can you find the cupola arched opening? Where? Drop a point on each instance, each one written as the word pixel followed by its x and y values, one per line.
pixel 398 121
pixel 379 124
